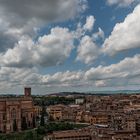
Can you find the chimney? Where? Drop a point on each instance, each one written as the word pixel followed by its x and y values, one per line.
pixel 27 91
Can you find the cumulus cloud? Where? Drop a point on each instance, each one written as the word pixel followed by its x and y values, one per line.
pixel 42 10
pixel 89 23
pixel 125 69
pixel 24 17
pixel 125 35
pixel 87 50
pixel 30 76
pixel 124 73
pixel 82 29
pixel 98 35
pixel 63 78
pixel 22 55
pixel 48 50
pixel 120 3
pixel 100 83
pixel 13 76
pixel 6 39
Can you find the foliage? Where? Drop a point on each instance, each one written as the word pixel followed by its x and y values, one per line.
pixel 23 123
pixel 33 121
pixel 26 135
pixel 14 125
pixel 43 113
pixel 53 100
pixel 50 127
pixel 41 130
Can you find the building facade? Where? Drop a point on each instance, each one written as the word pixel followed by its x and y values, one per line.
pixel 17 113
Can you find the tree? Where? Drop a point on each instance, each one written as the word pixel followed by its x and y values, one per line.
pixel 41 130
pixel 43 113
pixel 23 123
pixel 34 122
pixel 14 125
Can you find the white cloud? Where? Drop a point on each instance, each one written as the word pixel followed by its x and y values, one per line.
pixel 100 83
pixel 13 76
pixel 98 35
pixel 127 68
pixel 89 23
pixel 120 3
pixel 63 78
pixel 82 29
pixel 125 35
pixel 87 50
pixel 48 50
pixel 19 62
pixel 79 32
pixel 30 76
pixel 123 74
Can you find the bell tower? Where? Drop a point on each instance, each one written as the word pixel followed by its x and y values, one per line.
pixel 27 91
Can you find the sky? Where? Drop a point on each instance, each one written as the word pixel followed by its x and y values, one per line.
pixel 69 45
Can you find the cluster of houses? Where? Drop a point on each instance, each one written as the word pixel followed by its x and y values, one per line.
pixel 113 117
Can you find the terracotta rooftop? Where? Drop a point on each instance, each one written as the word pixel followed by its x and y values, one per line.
pixel 71 133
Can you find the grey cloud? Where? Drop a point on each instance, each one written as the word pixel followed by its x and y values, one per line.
pixel 6 41
pixel 22 17
pixel 44 10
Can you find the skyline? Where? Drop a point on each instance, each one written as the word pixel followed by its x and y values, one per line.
pixel 69 45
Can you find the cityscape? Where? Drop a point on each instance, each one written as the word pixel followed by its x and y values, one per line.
pixel 70 70
pixel 70 116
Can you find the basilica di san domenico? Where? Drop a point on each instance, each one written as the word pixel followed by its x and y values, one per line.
pixel 17 113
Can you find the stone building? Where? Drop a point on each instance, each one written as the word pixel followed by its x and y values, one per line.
pixel 81 134
pixel 17 113
pixel 79 101
pixel 62 112
pixel 55 112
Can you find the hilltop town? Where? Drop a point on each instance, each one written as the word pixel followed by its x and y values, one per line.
pixel 71 116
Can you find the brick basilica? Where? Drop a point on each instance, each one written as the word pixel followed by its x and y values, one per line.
pixel 17 113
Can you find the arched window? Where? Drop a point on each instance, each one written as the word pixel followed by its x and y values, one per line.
pixel 13 113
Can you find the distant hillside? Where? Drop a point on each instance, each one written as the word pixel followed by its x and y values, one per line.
pixel 102 93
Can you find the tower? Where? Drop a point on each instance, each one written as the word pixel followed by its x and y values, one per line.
pixel 27 91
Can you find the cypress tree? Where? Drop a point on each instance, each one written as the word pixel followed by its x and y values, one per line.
pixel 14 125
